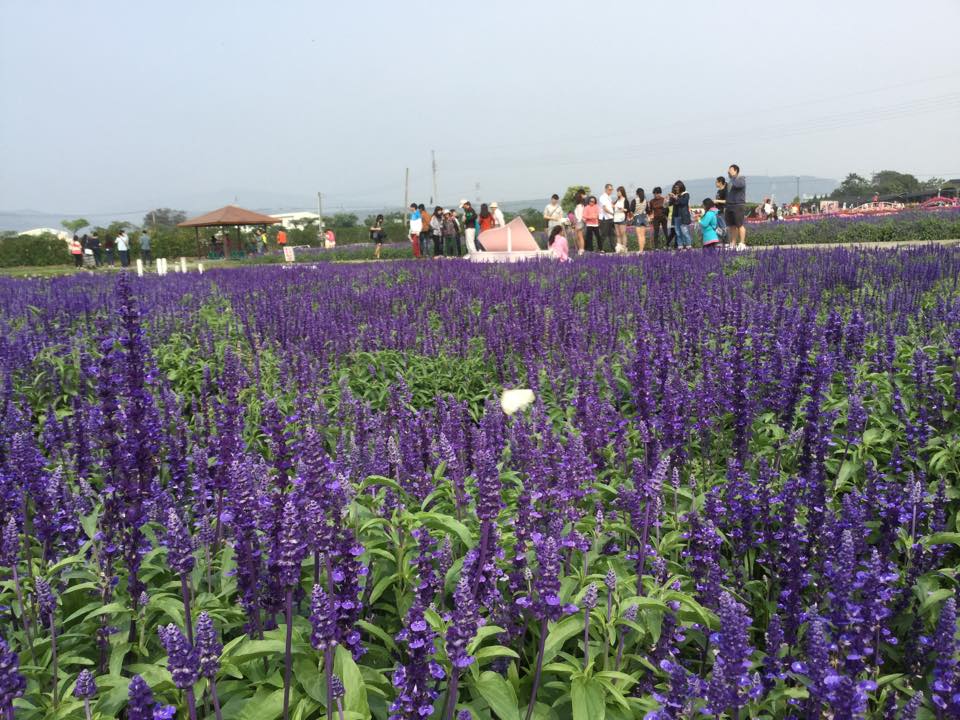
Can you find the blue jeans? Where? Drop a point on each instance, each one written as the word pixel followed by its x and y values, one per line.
pixel 683 234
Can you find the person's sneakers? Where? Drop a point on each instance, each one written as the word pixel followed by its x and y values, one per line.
pixel 742 246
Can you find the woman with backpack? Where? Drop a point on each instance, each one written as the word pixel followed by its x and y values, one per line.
pixel 639 209
pixel 680 203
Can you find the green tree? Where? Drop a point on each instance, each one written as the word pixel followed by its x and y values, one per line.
pixel 567 200
pixel 853 185
pixel 163 217
pixel 343 220
pixel 75 226
pixel 891 182
pixel 934 184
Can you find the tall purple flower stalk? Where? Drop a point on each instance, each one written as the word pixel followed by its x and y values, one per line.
pixel 208 650
pixel 291 548
pixel 141 704
pixel 462 627
pixel 85 689
pixel 12 683
pixel 731 684
pixel 183 663
pixel 47 606
pixel 180 559
pixel 415 679
pixel 945 679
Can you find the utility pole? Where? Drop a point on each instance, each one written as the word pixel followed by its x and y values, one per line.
pixel 798 189
pixel 320 211
pixel 433 164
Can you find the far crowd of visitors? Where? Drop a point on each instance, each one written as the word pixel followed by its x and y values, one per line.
pixel 594 224
pixel 99 253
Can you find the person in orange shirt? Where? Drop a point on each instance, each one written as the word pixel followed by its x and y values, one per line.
pixel 426 233
pixel 76 249
pixel 282 238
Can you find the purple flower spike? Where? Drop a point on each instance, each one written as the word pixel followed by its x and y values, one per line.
pixel 182 660
pixel 86 686
pixel 208 646
pixel 12 683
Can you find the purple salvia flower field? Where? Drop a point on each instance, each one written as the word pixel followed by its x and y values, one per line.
pixel 292 492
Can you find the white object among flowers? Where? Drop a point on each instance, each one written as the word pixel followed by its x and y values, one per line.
pixel 513 400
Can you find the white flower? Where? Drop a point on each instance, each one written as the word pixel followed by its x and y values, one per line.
pixel 513 400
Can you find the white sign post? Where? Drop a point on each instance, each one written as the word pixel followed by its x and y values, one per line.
pixel 161 266
pixel 288 255
pixel 200 268
pixel 139 267
pixel 183 265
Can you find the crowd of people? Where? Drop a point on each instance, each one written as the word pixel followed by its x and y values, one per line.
pixel 89 250
pixel 593 224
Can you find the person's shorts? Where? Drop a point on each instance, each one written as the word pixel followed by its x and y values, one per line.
pixel 733 215
pixel 639 220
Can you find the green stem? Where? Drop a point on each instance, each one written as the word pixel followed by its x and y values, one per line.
pixel 536 676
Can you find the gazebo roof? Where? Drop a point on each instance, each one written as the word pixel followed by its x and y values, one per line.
pixel 229 215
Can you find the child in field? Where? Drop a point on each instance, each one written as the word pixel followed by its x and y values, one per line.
pixel 708 223
pixel 557 243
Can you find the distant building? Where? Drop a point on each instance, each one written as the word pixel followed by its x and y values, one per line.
pixel 292 220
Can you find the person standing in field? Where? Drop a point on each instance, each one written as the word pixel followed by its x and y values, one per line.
pixel 680 203
pixel 95 246
pixel 416 226
pixel 639 209
pixel 606 217
pixel 281 238
pixel 123 248
pixel 720 205
pixel 486 219
pixel 436 231
pixel 709 225
pixel 450 235
pixel 426 231
pixel 578 219
pixel 591 222
pixel 469 226
pixel 145 247
pixel 76 250
pixel 498 219
pixel 553 213
pixel 620 208
pixel 733 213
pixel 376 236
pixel 108 246
pixel 657 210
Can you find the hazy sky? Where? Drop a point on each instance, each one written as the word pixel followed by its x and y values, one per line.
pixel 112 106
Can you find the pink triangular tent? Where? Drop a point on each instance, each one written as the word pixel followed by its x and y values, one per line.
pixel 512 237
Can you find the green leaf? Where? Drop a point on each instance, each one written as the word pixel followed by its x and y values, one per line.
pixel 355 692
pixel 498 694
pixel 448 524
pixel 935 597
pixel 560 633
pixel 942 538
pixel 171 606
pixel 482 634
pixel 382 584
pixel 265 705
pixel 588 698
pixel 378 632
pixel 494 651
pixel 109 609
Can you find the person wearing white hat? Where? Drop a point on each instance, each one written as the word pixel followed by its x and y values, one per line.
pixel 498 219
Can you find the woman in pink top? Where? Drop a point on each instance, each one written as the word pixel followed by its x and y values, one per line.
pixel 591 221
pixel 557 243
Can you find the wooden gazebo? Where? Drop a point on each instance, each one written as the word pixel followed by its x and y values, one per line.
pixel 228 216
